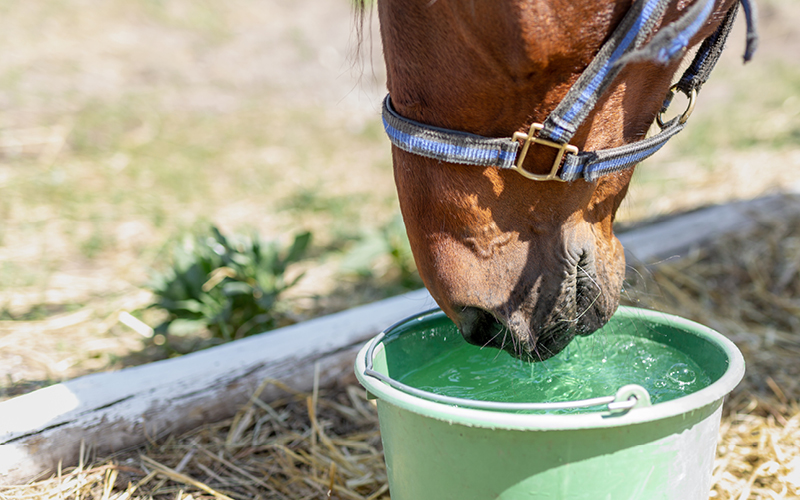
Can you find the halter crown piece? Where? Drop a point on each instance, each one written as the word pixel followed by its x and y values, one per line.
pixel 625 45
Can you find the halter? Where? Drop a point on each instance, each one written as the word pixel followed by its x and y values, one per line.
pixel 625 45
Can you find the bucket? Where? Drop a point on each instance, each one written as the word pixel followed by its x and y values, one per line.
pixel 620 446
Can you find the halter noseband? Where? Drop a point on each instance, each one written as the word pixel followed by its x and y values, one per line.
pixel 624 46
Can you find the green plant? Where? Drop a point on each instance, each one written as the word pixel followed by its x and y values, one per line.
pixel 385 253
pixel 230 286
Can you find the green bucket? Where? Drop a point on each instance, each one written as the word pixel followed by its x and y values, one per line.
pixel 440 448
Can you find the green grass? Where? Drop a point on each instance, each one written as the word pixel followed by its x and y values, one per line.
pixel 765 114
pixel 39 312
pixel 156 164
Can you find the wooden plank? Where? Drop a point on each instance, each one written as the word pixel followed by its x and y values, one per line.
pixel 113 411
pixel 676 236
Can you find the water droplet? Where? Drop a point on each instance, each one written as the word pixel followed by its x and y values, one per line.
pixel 682 374
pixel 453 375
pixel 645 360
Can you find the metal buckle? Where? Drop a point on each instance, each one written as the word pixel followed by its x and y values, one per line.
pixel 528 139
pixel 689 107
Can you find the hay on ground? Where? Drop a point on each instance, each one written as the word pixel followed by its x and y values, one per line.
pixel 302 446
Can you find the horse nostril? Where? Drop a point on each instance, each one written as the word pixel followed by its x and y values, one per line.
pixel 479 327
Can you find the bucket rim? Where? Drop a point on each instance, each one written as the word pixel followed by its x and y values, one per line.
pixel 710 395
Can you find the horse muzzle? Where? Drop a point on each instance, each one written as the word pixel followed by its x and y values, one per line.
pixel 572 291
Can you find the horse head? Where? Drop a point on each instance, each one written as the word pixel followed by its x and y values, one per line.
pixel 516 262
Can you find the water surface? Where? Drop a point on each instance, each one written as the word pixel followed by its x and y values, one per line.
pixel 590 367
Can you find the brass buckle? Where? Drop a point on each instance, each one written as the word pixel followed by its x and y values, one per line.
pixel 528 139
pixel 689 107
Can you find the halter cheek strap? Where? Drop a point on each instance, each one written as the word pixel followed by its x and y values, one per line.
pixel 624 46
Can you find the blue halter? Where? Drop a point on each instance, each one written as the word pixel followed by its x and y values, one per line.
pixel 625 45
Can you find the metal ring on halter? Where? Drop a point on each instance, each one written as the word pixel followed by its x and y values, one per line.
pixel 689 107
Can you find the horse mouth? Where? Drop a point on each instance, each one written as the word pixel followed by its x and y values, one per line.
pixel 483 329
pixel 540 328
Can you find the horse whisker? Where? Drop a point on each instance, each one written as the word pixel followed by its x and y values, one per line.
pixel 599 293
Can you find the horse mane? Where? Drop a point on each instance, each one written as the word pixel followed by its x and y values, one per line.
pixel 361 10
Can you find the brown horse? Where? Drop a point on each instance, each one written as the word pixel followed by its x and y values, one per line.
pixel 517 263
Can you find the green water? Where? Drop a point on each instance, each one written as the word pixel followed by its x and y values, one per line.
pixel 589 367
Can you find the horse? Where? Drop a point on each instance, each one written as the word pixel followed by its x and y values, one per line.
pixel 515 127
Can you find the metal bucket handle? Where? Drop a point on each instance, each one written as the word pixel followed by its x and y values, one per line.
pixel 627 397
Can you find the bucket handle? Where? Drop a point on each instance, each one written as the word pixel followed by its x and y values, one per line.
pixel 627 397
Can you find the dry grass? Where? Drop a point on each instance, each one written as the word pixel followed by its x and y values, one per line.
pixel 326 444
pixel 758 455
pixel 303 446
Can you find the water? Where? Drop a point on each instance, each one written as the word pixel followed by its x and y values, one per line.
pixel 589 367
